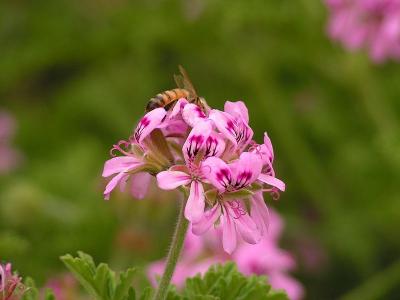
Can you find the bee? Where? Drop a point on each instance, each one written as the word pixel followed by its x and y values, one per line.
pixel 185 90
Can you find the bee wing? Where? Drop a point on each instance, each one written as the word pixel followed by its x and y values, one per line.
pixel 183 81
pixel 180 82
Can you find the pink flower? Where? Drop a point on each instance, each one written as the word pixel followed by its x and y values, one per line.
pixel 215 161
pixel 11 286
pixel 140 155
pixel 265 258
pixel 210 155
pixel 233 123
pixel 148 123
pixel 201 143
pixel 370 24
pixel 64 287
pixel 234 217
pixel 267 176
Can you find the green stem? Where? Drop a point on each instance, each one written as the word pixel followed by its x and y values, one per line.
pixel 174 252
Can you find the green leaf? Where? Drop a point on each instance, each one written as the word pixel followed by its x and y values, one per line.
pixel 124 287
pixel 32 293
pixel 83 269
pixel 147 293
pixel 131 294
pixel 225 282
pixel 49 295
pixel 100 282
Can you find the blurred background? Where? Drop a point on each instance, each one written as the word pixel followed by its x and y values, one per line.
pixel 75 77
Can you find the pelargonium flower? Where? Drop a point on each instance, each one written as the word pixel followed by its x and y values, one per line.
pixel 11 287
pixel 233 123
pixel 370 24
pixel 140 156
pixel 201 143
pixel 265 258
pixel 229 179
pixel 208 154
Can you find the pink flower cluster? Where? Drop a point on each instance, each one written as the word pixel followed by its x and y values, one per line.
pixel 208 154
pixel 11 287
pixel 9 157
pixel 64 287
pixel 370 24
pixel 265 258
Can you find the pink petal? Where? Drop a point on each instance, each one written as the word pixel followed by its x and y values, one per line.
pixel 148 123
pixel 196 140
pixel 3 278
pixel 248 229
pixel 279 184
pixel 245 135
pixel 178 107
pixel 237 109
pixel 119 164
pixel 154 270
pixel 229 237
pixel 113 183
pixel 293 288
pixel 246 170
pixel 194 209
pixel 268 144
pixel 275 225
pixel 215 145
pixel 266 157
pixel 259 213
pixel 193 114
pixel 140 184
pixel 208 219
pixel 169 180
pixel 194 245
pixel 217 172
pixel 225 124
pixel 173 127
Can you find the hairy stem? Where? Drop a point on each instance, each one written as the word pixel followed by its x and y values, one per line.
pixel 174 252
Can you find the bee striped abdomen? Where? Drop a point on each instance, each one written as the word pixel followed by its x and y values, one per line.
pixel 166 99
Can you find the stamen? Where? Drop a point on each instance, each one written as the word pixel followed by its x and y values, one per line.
pixel 120 147
pixel 237 209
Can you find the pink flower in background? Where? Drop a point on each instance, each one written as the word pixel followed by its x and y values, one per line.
pixel 370 24
pixel 9 157
pixel 64 287
pixel 264 258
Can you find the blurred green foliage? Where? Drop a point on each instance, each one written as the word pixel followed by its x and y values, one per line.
pixel 78 74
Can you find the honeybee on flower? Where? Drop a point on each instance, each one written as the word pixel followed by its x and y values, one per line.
pixel 208 154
